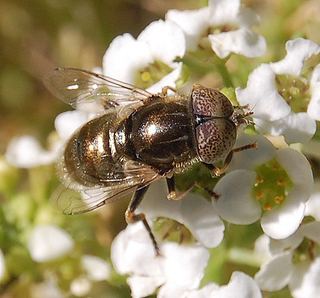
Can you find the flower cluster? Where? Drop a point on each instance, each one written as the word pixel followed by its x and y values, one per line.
pixel 271 190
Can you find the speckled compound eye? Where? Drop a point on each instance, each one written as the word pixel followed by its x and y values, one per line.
pixel 210 102
pixel 215 139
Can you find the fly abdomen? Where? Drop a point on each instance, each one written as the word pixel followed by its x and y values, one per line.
pixel 88 157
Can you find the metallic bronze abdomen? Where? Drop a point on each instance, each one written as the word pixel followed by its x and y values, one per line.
pixel 88 157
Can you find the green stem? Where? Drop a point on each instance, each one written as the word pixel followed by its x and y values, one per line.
pixel 215 267
pixel 194 64
pixel 223 71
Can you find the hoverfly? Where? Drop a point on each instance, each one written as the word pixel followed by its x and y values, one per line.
pixel 140 137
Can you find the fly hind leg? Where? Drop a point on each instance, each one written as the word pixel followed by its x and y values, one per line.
pixel 132 217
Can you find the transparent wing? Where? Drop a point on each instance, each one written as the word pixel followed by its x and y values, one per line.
pixel 90 198
pixel 76 86
pixel 72 203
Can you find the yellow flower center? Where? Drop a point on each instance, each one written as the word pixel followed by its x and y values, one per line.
pixel 222 29
pixel 151 74
pixel 272 185
pixel 296 90
pixel 169 229
pixel 304 252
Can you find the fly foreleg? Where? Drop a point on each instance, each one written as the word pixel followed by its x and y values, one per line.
pixel 164 91
pixel 219 171
pixel 172 193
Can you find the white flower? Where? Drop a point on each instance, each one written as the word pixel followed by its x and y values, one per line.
pixel 272 113
pixel 48 242
pixel 282 267
pixel 96 268
pixel 178 268
pixel 229 24
pixel 240 286
pixel 80 286
pixel 2 265
pixel 130 60
pixel 193 211
pixel 265 183
pixel 46 289
pixel 26 152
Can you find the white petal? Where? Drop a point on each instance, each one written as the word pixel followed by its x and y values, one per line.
pixel 80 286
pixel 298 169
pixel 231 12
pixel 282 222
pixel 204 292
pixel 202 220
pixel 184 265
pixel 236 203
pixel 311 231
pixel 96 268
pixel 48 242
pixel 68 122
pixel 240 285
pixel 313 204
pixel 247 17
pixel 165 39
pixel 242 41
pixel 223 11
pixel 298 50
pixel 124 57
pixel 262 96
pixel 275 274
pixel 305 281
pixel 155 203
pixel 251 158
pixel 295 127
pixel 46 289
pixel 283 245
pixel 143 286
pixel 132 252
pixel 168 80
pixel 261 248
pixel 170 290
pixel 26 152
pixel 2 265
pixel 206 228
pixel 194 23
pixel 314 105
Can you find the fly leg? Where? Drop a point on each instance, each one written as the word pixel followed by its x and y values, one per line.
pixel 172 193
pixel 219 171
pixel 165 90
pixel 174 196
pixel 131 217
